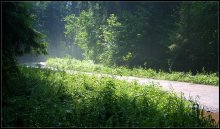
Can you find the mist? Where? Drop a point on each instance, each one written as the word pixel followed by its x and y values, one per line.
pixel 110 64
pixel 132 34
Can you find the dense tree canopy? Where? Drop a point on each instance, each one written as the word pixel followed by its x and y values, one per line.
pixel 146 38
pixel 18 37
pixel 180 36
pixel 195 39
pixel 49 20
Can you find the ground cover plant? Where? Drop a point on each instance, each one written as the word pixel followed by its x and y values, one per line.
pixel 89 66
pixel 172 36
pixel 45 98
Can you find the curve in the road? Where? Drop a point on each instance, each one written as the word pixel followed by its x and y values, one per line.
pixel 206 95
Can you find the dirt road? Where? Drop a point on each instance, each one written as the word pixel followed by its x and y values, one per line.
pixel 206 95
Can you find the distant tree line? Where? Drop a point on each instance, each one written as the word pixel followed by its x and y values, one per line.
pixel 179 36
pixel 18 35
pixel 172 36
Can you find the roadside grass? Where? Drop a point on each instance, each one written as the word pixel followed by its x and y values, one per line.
pixel 46 98
pixel 90 66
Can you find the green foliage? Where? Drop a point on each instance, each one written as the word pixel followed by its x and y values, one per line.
pixel 96 37
pixel 194 42
pixel 79 30
pixel 90 66
pixel 127 57
pixel 56 99
pixel 49 20
pixel 170 35
pixel 110 33
pixel 184 33
pixel 18 37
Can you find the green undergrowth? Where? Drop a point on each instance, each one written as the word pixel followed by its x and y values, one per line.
pixel 45 98
pixel 90 66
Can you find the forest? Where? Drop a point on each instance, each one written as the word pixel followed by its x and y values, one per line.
pixel 176 41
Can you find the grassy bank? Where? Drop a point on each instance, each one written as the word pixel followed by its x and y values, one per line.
pixel 89 66
pixel 45 98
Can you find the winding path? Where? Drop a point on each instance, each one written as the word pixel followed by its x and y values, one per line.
pixel 206 95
